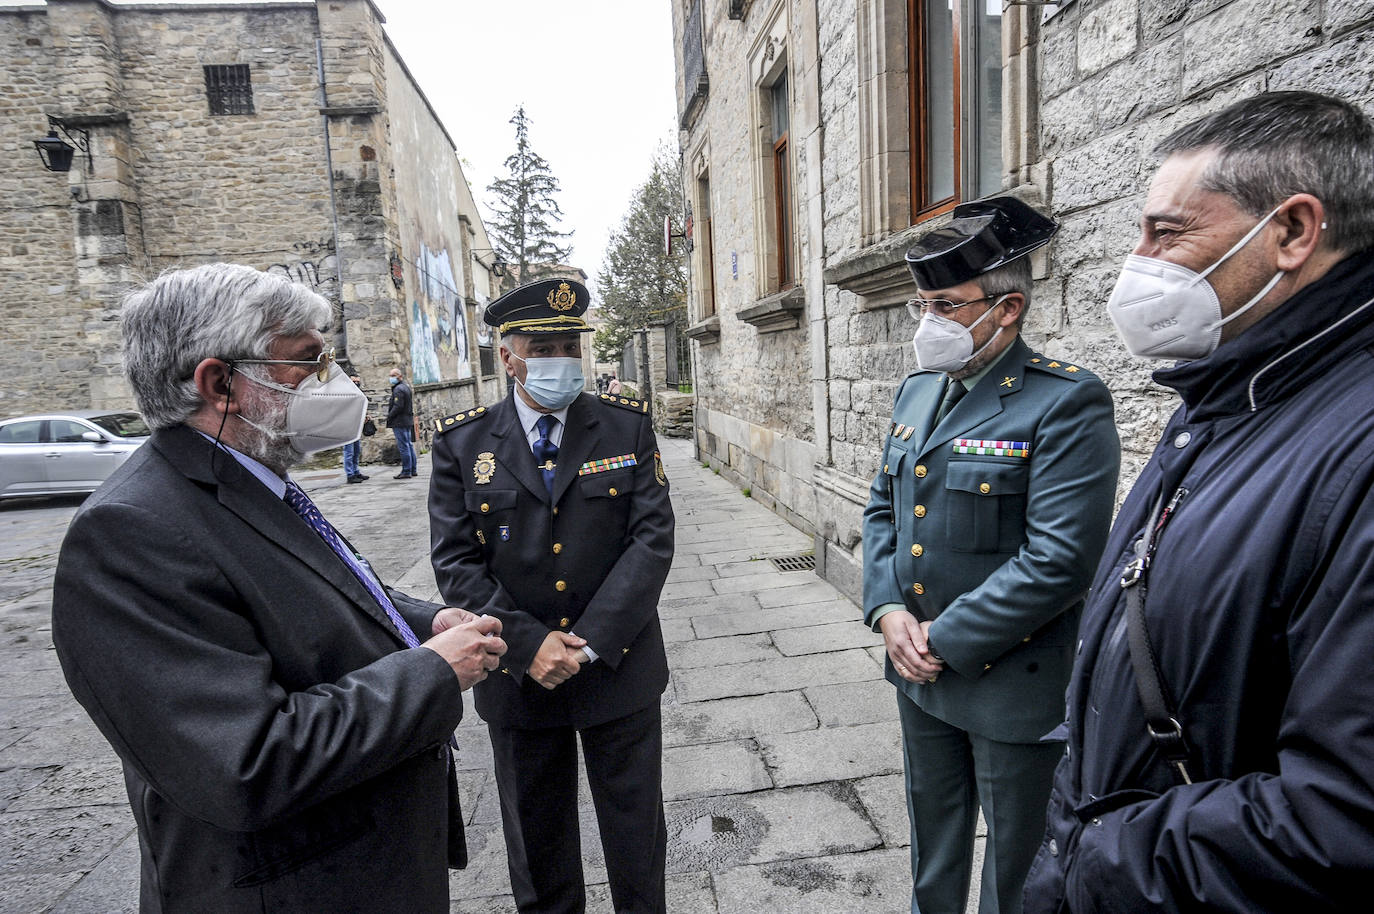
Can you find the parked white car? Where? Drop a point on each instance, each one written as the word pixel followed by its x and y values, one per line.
pixel 61 453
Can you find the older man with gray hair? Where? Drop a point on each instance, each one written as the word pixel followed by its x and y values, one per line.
pixel 285 731
pixel 1221 712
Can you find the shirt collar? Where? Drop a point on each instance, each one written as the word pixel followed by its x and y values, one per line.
pixel 529 415
pixel 267 477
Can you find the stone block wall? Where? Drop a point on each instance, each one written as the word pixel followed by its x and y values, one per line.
pixel 1116 77
pixel 750 382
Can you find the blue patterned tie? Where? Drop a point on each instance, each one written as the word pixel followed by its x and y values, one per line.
pixel 303 506
pixel 545 450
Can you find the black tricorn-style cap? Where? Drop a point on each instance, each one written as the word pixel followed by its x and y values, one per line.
pixel 546 306
pixel 980 236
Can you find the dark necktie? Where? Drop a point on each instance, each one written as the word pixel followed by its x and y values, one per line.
pixel 953 394
pixel 301 503
pixel 545 450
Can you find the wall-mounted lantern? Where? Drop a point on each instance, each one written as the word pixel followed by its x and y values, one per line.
pixel 498 265
pixel 57 153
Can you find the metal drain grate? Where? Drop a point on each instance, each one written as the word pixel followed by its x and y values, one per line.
pixel 795 563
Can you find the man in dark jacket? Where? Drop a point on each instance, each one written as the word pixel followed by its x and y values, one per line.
pixel 550 511
pixel 1246 548
pixel 283 750
pixel 400 418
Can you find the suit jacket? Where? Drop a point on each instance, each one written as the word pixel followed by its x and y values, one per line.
pixel 281 750
pixel 592 560
pixel 996 545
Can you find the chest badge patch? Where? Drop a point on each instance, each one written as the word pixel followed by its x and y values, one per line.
pixel 607 463
pixel 659 475
pixel 483 469
pixel 991 447
pixel 504 530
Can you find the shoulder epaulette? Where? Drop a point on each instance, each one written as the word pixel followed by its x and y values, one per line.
pixel 1056 367
pixel 638 406
pixel 453 421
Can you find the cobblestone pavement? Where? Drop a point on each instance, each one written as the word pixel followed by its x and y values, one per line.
pixel 782 768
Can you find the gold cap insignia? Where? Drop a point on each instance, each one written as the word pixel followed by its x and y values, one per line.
pixel 563 298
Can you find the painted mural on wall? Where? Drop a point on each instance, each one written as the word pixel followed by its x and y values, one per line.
pixel 438 321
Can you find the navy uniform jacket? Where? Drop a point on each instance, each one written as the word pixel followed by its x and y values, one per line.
pixel 996 547
pixel 593 562
pixel 281 748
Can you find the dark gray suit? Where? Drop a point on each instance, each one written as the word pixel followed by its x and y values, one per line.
pixel 282 751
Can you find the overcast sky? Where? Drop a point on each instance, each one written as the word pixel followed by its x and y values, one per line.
pixel 595 77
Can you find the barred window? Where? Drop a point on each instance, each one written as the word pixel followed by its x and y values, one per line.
pixel 229 89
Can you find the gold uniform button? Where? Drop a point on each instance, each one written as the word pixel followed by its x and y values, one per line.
pixel 919 510
pixel 917 549
pixel 560 586
pixel 1026 640
pixel 918 588
pixel 920 471
pixel 485 507
pixel 564 622
pixel 984 488
pixel 557 548
pixel 506 671
pixel 624 650
pixel 555 511
pixel 986 667
pixel 614 492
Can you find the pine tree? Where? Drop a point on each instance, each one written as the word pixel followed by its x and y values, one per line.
pixel 639 282
pixel 525 228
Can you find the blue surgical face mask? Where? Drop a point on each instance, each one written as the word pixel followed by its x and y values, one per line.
pixel 552 382
pixel 394 381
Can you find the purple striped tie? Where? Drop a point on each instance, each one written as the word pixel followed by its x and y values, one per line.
pixel 303 506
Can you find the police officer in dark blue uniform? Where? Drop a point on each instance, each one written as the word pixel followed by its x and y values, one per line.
pixel 550 511
pixel 985 520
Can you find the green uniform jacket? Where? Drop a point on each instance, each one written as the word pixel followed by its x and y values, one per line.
pixel 991 523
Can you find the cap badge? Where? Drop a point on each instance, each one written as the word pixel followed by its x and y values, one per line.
pixel 563 298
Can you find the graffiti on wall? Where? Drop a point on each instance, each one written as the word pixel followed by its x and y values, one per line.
pixel 438 321
pixel 313 264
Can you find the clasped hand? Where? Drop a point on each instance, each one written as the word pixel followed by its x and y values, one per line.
pixel 909 648
pixel 470 644
pixel 559 659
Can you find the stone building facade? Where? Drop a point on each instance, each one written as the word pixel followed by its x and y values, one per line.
pixel 894 111
pixel 288 136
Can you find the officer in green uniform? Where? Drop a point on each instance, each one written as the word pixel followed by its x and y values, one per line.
pixel 985 521
pixel 550 511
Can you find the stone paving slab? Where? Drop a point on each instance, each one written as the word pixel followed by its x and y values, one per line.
pixel 878 882
pixel 780 675
pixel 813 591
pixel 685 607
pixel 834 753
pixel 27 892
pixel 819 639
pixel 770 620
pixel 716 833
pixel 691 573
pixel 847 703
pixel 61 840
pixel 884 799
pixel 111 888
pixel 76 741
pixel 736 718
pixel 77 785
pixel 714 769
pixel 721 651
pixel 758 581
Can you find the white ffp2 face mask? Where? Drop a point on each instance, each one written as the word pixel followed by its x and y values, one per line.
pixel 1166 311
pixel 944 344
pixel 321 414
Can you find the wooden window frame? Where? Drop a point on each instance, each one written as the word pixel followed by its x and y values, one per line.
pixel 782 211
pixel 708 300
pixel 921 206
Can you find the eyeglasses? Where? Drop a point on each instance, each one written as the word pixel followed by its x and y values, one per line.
pixel 920 307
pixel 321 364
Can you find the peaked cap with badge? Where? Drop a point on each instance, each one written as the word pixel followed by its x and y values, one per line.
pixel 981 236
pixel 985 519
pixel 545 306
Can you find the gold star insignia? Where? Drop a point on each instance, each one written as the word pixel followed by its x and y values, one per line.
pixel 1054 364
pixel 1007 382
pixel 1071 369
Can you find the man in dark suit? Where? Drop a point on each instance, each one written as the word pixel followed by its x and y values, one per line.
pixel 986 517
pixel 284 733
pixel 400 418
pixel 550 511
